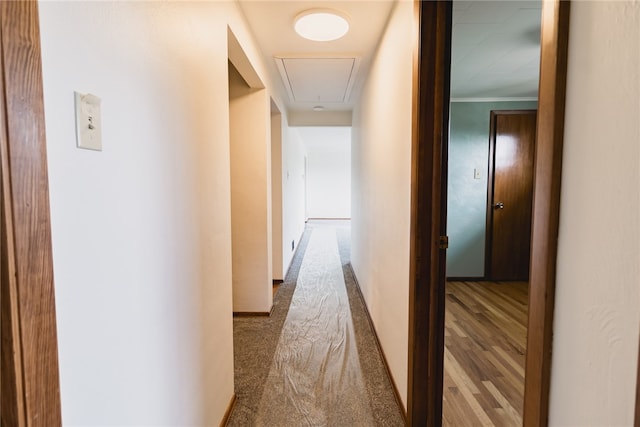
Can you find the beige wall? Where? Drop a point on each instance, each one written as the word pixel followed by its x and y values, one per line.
pixel 597 312
pixel 250 148
pixel 381 182
pixel 276 194
pixel 142 230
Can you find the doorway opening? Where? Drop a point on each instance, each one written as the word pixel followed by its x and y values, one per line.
pixel 429 216
pixel 327 172
pixel 490 192
pixel 250 162
pixel 276 196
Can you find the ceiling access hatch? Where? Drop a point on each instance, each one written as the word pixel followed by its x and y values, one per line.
pixel 326 80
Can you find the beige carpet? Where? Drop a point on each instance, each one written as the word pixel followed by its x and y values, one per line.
pixel 314 362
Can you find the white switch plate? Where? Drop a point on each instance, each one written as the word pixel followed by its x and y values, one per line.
pixel 88 121
pixel 476 173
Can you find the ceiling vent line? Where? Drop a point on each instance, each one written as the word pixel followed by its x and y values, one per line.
pixel 328 79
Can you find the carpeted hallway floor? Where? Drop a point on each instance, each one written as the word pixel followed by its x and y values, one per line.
pixel 314 361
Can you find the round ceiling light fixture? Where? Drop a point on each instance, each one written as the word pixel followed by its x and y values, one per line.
pixel 318 108
pixel 321 25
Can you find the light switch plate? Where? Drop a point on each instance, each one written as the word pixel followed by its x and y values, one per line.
pixel 88 121
pixel 476 173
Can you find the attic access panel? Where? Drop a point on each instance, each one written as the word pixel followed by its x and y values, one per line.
pixel 318 80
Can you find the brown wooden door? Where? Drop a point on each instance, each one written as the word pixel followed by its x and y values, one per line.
pixel 510 195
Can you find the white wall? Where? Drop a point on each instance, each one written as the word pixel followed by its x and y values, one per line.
pixel 381 199
pixel 293 215
pixel 142 235
pixel 250 153
pixel 597 311
pixel 142 230
pixel 328 171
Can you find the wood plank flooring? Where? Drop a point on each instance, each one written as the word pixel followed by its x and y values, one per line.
pixel 485 342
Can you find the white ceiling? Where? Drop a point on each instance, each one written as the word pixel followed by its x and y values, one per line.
pixel 323 68
pixel 318 81
pixel 495 49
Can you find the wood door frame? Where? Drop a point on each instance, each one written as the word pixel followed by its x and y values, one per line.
pixel 30 379
pixel 488 242
pixel 546 209
pixel 428 211
pixel 430 123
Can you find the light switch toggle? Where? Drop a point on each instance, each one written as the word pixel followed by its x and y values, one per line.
pixel 88 122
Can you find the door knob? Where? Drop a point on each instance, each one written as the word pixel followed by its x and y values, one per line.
pixel 499 205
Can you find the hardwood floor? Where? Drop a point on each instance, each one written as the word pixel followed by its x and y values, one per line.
pixel 485 342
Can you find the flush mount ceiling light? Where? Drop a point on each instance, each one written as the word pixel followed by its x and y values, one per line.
pixel 318 108
pixel 321 25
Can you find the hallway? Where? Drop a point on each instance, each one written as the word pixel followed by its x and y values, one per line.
pixel 315 360
pixel 119 262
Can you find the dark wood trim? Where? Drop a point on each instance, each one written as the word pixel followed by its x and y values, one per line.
pixel 430 124
pixel 229 411
pixel 546 209
pixel 466 279
pixel 12 387
pixel 252 313
pixel 488 241
pixel 30 379
pixel 379 346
